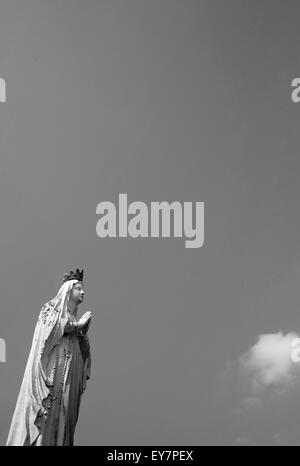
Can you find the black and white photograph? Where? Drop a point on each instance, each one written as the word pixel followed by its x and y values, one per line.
pixel 150 225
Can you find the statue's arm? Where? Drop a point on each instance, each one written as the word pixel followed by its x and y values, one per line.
pixel 73 327
pixel 48 313
pixel 79 328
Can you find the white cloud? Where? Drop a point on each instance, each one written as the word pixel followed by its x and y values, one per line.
pixel 260 390
pixel 269 366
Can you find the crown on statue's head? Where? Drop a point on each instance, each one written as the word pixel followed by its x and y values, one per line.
pixel 77 275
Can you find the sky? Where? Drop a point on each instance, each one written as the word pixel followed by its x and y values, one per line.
pixel 165 101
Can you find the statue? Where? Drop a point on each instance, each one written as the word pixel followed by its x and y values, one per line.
pixel 56 373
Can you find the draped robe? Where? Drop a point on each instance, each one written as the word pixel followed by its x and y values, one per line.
pixel 55 377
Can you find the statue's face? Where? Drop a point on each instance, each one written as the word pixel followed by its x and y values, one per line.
pixel 77 293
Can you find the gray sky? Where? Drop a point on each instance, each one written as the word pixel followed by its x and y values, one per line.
pixel 162 100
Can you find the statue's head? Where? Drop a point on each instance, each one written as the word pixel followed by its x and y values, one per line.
pixel 77 293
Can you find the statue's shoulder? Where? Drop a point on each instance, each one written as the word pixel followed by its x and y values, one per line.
pixel 46 311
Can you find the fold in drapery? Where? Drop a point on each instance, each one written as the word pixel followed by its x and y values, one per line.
pixel 55 377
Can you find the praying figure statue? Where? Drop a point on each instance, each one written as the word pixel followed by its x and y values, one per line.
pixel 56 373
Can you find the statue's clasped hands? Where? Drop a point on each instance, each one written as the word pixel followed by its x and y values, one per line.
pixel 84 322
